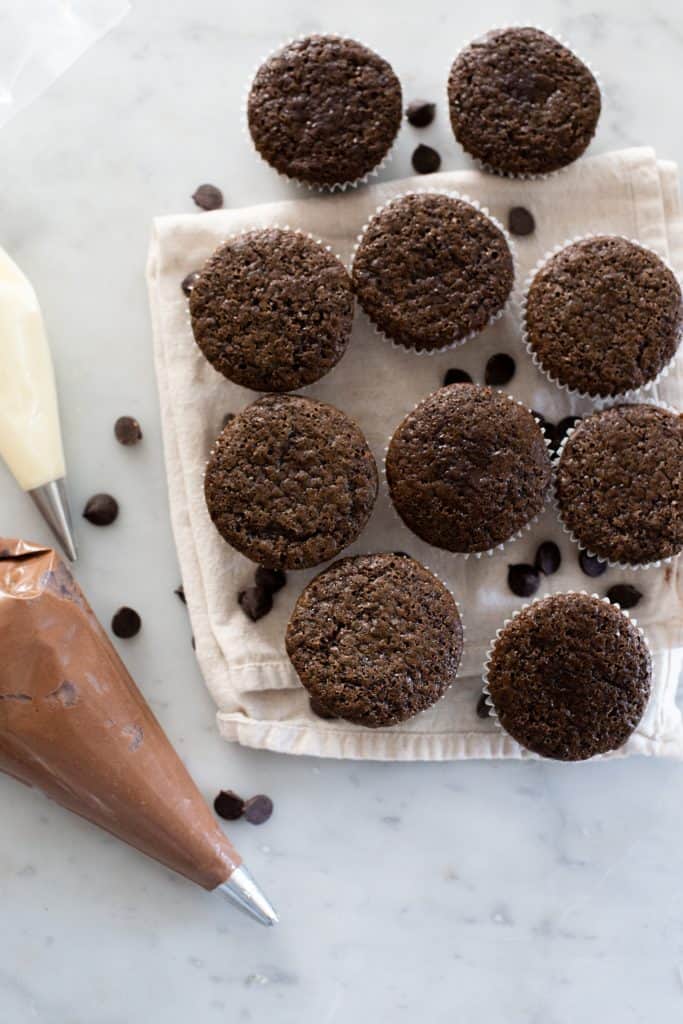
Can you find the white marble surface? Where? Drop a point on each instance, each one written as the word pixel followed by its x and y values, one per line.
pixel 540 893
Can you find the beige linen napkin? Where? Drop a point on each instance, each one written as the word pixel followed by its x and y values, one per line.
pixel 260 701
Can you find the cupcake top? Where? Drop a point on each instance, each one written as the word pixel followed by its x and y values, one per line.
pixel 375 639
pixel 468 468
pixel 569 677
pixel 619 484
pixel 324 110
pixel 431 269
pixel 521 102
pixel 272 310
pixel 604 316
pixel 290 482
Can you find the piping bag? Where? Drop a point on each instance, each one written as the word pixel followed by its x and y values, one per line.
pixel 30 435
pixel 74 725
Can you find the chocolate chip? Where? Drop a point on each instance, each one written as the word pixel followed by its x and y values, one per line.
pixel 208 197
pixel 591 565
pixel 127 430
pixel 321 711
pixel 180 592
pixel 426 160
pixel 523 580
pixel 228 805
pixel 483 710
pixel 624 595
pixel 126 623
pixel 193 642
pixel 228 418
pixel 499 369
pixel 402 554
pixel 520 221
pixel 258 809
pixel 188 282
pixel 255 602
pixel 548 558
pixel 420 113
pixel 101 509
pixel 270 579
pixel 456 376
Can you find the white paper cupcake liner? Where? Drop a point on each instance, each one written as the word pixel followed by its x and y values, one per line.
pixel 489 552
pixel 493 714
pixel 505 308
pixel 373 551
pixel 340 186
pixel 525 175
pixel 303 388
pixel 597 400
pixel 623 566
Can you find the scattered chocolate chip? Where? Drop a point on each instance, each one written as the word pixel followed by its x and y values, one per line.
pixel 126 623
pixel 499 369
pixel 127 430
pixel 101 509
pixel 520 221
pixel 208 197
pixel 255 602
pixel 625 595
pixel 591 565
pixel 483 710
pixel 523 580
pixel 228 418
pixel 548 558
pixel 270 579
pixel 420 113
pixel 456 376
pixel 258 809
pixel 180 592
pixel 321 711
pixel 188 282
pixel 426 160
pixel 228 805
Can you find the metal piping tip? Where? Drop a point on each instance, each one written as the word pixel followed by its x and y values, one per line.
pixel 53 504
pixel 243 892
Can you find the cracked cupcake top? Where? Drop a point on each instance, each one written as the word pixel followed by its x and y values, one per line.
pixel 570 677
pixel 619 484
pixel 375 639
pixel 604 315
pixel 290 482
pixel 324 110
pixel 431 269
pixel 272 310
pixel 468 468
pixel 521 102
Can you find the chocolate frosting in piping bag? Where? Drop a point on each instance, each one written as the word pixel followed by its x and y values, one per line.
pixel 74 724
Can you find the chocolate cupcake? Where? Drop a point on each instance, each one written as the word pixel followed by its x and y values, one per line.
pixel 569 677
pixel 272 310
pixel 468 469
pixel 521 102
pixel 603 316
pixel 324 110
pixel 375 639
pixel 290 482
pixel 619 484
pixel 432 270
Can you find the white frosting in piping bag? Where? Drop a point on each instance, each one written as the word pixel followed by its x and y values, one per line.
pixel 30 435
